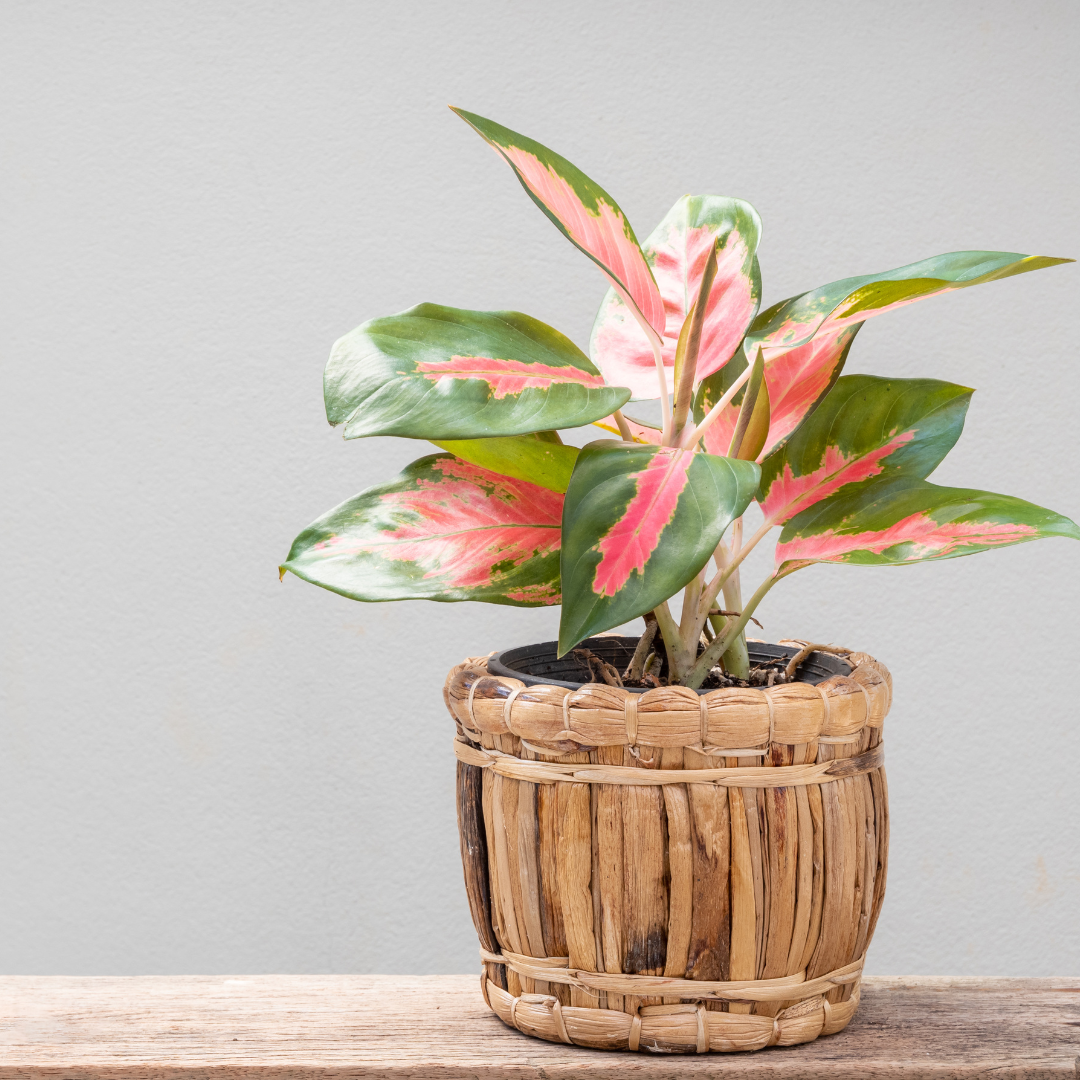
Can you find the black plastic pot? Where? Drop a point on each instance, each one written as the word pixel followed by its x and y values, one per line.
pixel 539 664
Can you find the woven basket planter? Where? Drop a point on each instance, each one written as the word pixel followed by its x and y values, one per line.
pixel 672 871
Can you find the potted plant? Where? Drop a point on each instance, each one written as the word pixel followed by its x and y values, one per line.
pixel 674 841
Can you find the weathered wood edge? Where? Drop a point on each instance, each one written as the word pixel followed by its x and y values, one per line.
pixel 437 1028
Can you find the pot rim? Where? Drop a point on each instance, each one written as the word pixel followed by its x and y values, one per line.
pixel 816 668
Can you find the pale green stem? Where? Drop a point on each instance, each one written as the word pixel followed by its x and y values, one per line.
pixel 624 427
pixel 722 642
pixel 736 660
pixel 691 433
pixel 735 562
pixel 689 627
pixel 678 663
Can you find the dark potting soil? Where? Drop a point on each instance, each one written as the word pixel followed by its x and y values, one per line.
pixel 605 659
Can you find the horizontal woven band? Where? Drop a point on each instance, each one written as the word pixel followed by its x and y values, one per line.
pixel 552 772
pixel 556 969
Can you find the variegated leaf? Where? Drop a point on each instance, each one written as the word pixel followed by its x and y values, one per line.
pixel 677 250
pixel 583 212
pixel 797 380
pixel 539 460
pixel 903 519
pixel 442 530
pixel 853 300
pixel 639 522
pixel 867 428
pixel 436 372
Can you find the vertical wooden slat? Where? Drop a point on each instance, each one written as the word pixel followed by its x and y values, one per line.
pixel 881 829
pixel 551 919
pixel 609 842
pixel 826 955
pixel 474 859
pixel 529 868
pixel 743 912
pixel 574 867
pixel 858 828
pixel 817 818
pixel 517 874
pixel 804 889
pixel 870 867
pixel 710 837
pixel 503 886
pixel 601 1001
pixel 781 810
pixel 756 825
pixel 680 871
pixel 645 891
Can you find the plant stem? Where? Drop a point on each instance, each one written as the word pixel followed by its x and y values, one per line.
pixel 736 660
pixel 722 642
pixel 691 433
pixel 636 668
pixel 689 627
pixel 733 564
pixel 624 427
pixel 678 662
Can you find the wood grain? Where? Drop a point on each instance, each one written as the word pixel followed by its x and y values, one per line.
pixel 286 1027
pixel 573 856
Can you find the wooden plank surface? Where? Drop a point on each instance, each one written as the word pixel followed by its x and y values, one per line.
pixel 428 1027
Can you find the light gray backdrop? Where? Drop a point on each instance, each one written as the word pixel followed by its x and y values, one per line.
pixel 203 770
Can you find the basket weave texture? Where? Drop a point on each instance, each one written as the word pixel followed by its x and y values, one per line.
pixel 669 871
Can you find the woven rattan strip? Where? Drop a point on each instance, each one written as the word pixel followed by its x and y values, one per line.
pixel 668 1029
pixel 730 722
pixel 547 772
pixel 556 969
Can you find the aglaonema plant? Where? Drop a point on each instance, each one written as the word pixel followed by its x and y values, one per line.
pixel 754 407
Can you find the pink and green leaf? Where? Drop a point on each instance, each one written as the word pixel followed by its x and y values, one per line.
pixel 638 523
pixel 541 461
pixel 866 429
pixel 583 212
pixel 443 529
pixel 436 372
pixel 677 250
pixel 853 300
pixel 903 519
pixel 797 379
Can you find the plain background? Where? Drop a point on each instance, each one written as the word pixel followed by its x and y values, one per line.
pixel 205 771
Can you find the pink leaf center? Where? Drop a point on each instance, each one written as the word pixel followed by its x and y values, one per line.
pixel 506 376
pixel 928 539
pixel 629 543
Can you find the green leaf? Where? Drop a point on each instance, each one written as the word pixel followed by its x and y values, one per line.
pixel 855 299
pixel 904 519
pixel 638 523
pixel 865 429
pixel 441 530
pixel 524 457
pixel 437 372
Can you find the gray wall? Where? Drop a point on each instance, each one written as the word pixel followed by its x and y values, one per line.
pixel 202 770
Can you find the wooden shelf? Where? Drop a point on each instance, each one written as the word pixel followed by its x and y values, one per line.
pixel 423 1028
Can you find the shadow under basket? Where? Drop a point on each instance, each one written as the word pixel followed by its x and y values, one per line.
pixel 671 871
